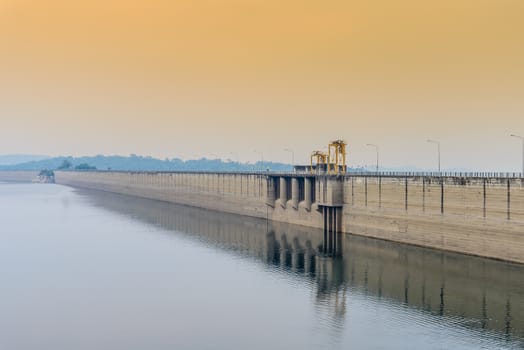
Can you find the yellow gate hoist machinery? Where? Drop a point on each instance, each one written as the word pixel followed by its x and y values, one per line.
pixel 333 162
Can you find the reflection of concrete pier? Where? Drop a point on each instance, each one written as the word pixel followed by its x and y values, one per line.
pixel 486 292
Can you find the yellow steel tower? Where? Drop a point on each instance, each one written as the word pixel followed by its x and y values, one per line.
pixel 336 162
pixel 321 159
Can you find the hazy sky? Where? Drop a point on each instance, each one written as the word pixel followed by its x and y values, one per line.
pixel 192 78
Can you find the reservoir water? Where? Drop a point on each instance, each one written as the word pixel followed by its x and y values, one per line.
pixel 92 270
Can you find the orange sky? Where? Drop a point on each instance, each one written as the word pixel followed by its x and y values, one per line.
pixel 192 78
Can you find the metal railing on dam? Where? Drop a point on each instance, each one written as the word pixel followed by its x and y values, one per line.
pixel 472 175
pixel 394 174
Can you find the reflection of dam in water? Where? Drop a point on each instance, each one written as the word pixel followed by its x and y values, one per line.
pixel 487 294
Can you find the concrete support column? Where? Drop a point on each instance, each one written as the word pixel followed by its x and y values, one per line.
pixel 307 193
pixel 270 195
pixel 294 192
pixel 330 229
pixel 283 192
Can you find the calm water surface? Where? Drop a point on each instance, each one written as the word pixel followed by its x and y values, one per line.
pixel 92 270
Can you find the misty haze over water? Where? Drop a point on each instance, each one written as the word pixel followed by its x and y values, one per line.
pixel 93 270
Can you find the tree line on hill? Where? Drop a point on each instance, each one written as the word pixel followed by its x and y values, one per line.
pixel 141 163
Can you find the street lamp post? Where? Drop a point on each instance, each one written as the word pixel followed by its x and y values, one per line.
pixel 522 138
pixel 261 158
pixel 438 150
pixel 292 156
pixel 376 149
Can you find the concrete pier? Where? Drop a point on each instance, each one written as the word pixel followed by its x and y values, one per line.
pixel 295 193
pixel 283 192
pixel 307 193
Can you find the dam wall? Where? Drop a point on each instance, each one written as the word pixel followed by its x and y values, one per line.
pixel 243 194
pixel 478 216
pixel 481 216
pixel 251 194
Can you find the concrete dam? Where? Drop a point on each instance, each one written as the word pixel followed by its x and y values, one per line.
pixel 476 214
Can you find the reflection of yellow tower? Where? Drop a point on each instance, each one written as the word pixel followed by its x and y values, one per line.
pixel 321 159
pixel 336 162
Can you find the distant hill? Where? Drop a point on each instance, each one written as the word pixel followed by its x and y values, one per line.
pixel 135 162
pixel 13 159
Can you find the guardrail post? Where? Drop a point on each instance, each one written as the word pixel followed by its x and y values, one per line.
pixel 441 196
pixel 366 191
pixel 380 192
pixel 509 200
pixel 406 193
pixel 352 190
pixel 423 194
pixel 484 199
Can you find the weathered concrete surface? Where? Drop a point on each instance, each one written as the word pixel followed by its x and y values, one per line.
pixel 18 176
pixel 462 219
pixel 472 217
pixel 243 194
